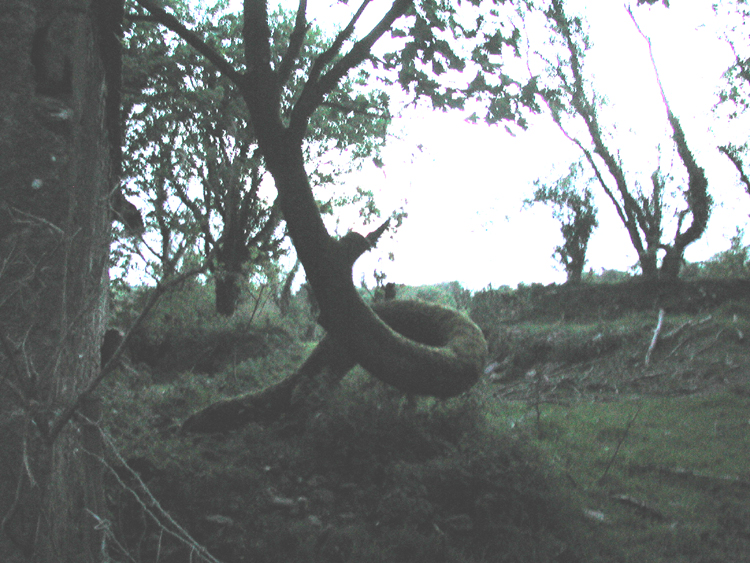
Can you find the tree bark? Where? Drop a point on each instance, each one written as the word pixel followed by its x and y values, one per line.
pixel 59 152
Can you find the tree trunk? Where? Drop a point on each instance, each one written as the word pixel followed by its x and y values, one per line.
pixel 671 264
pixel 59 145
pixel 575 273
pixel 649 269
pixel 301 393
pixel 394 358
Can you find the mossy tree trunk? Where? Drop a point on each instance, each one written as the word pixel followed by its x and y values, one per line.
pixel 59 145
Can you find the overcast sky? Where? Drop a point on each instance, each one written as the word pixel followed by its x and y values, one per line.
pixel 464 184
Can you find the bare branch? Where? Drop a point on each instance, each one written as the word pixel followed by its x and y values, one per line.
pixel 328 55
pixel 21 398
pixel 192 39
pixel 373 237
pixel 619 443
pixel 699 202
pixel 200 217
pixel 149 504
pixel 597 172
pixel 630 212
pixel 265 233
pixel 361 49
pixel 655 339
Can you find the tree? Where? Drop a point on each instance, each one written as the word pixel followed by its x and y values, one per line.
pixel 59 160
pixel 734 154
pixel 730 263
pixel 570 99
pixel 735 96
pixel 574 209
pixel 419 360
pixel 195 155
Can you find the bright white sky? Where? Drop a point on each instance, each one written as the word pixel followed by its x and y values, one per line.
pixel 466 186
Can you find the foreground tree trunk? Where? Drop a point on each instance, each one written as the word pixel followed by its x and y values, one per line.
pixel 59 144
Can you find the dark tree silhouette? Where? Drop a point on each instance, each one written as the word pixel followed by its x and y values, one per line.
pixel 641 213
pixel 574 209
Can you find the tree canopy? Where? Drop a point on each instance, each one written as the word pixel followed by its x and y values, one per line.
pixel 192 153
pixel 576 108
pixel 573 207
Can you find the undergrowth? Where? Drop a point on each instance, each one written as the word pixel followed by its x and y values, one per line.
pixel 367 479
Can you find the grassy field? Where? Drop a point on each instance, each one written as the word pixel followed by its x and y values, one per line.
pixel 572 449
pixel 668 479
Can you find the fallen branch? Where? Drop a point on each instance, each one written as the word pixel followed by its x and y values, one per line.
pixel 619 443
pixel 640 506
pixel 695 477
pixel 655 339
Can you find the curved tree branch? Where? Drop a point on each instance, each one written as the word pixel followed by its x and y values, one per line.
pixel 192 39
pixel 439 328
pixel 731 153
pixel 317 88
pixel 440 353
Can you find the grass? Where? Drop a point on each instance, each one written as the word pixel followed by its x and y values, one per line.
pixel 653 467
pixel 686 458
pixel 367 481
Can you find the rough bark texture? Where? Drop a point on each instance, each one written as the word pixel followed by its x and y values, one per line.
pixel 58 157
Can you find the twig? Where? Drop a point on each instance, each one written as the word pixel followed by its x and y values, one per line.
pixel 655 339
pixel 537 401
pixel 681 342
pixel 105 526
pixel 160 290
pixel 21 398
pixel 26 545
pixel 676 331
pixel 709 345
pixel 696 477
pixel 619 443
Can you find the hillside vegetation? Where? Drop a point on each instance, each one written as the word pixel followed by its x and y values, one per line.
pixel 573 447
